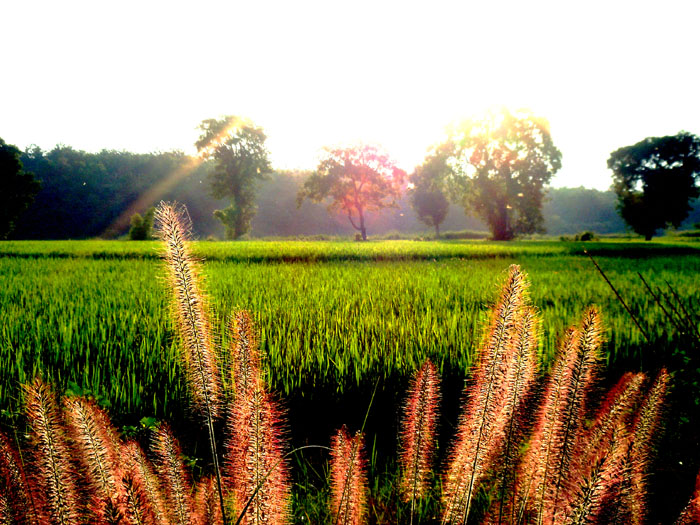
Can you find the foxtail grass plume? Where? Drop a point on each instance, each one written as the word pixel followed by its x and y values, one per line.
pixel 57 493
pixel 520 379
pixel 645 428
pixel 619 403
pixel 595 490
pixel 559 421
pixel 583 371
pixel 594 482
pixel 174 479
pixel 417 438
pixel 111 514
pixel 200 353
pixel 201 360
pixel 245 350
pixel 134 502
pixel 348 504
pixel 255 468
pixel 5 512
pixel 207 511
pixel 16 493
pixel 99 459
pixel 482 425
pixel 691 513
pixel 145 481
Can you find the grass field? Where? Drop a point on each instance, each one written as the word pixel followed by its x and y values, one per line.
pixel 336 319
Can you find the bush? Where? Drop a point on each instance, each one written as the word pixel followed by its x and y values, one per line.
pixel 142 227
pixel 586 236
pixel 580 237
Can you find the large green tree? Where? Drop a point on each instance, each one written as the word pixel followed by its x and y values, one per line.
pixel 357 179
pixel 428 196
pixel 655 180
pixel 17 188
pixel 502 164
pixel 237 148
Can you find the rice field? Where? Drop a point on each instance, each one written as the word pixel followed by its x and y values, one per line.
pixel 94 315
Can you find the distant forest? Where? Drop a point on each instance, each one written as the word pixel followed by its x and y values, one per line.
pixel 86 195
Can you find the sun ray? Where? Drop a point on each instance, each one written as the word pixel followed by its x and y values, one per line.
pixel 152 196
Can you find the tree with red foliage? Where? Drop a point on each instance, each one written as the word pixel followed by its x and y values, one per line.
pixel 358 179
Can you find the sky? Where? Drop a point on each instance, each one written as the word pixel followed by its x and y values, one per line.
pixel 140 76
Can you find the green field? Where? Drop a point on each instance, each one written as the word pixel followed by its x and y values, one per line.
pixel 96 313
pixel 335 319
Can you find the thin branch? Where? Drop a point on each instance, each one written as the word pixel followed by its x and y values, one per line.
pixel 619 297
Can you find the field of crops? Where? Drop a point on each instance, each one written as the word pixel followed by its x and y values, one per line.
pixel 336 320
pixel 96 313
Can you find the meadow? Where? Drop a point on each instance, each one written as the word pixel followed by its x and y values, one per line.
pixel 342 326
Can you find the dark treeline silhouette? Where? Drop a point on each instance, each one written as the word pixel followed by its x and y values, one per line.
pixel 83 194
pixel 573 210
pixel 87 195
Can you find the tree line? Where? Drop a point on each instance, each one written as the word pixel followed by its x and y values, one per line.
pixel 61 210
pixel 496 170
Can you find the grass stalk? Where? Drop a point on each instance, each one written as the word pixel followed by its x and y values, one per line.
pixel 201 356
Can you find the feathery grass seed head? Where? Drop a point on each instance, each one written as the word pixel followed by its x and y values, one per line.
pixel 484 420
pixel 418 427
pixel 57 492
pixel 348 479
pixel 174 479
pixel 200 353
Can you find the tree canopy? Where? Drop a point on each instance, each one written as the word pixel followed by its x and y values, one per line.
pixel 17 188
pixel 240 157
pixel 655 181
pixel 357 179
pixel 91 194
pixel 502 165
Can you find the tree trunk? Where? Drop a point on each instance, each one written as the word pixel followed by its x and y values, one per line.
pixel 648 236
pixel 499 225
pixel 437 230
pixel 362 225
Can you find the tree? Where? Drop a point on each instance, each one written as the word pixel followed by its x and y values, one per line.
pixel 428 196
pixel 240 161
pixel 358 179
pixel 655 180
pixel 502 165
pixel 17 188
pixel 431 206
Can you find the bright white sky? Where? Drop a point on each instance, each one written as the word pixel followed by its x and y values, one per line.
pixel 140 76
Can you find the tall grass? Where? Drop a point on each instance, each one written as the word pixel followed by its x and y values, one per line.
pixel 101 326
pixel 568 472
